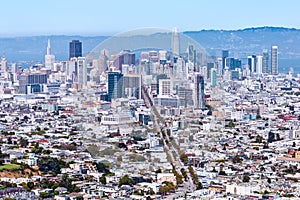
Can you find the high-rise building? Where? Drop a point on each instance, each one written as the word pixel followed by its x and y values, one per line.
pixel 219 66
pixel 274 60
pixel 175 42
pixel 210 66
pixel 71 70
pixel 192 56
pixel 165 87
pixel 162 54
pixel 234 75
pixel 26 80
pixel 199 92
pixel 125 57
pixel 233 63
pixel 132 85
pixel 14 68
pixel 265 62
pixel 213 77
pixel 225 54
pixel 49 58
pixel 185 95
pixel 102 62
pixel 81 71
pixel 259 64
pixel 158 77
pixel 75 49
pixel 203 72
pixel 3 64
pixel 251 61
pixel 115 85
pixel 191 53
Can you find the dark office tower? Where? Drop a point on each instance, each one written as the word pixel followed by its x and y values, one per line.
pixel 158 77
pixel 199 92
pixel 233 63
pixel 265 62
pixel 75 49
pixel 115 85
pixel 225 54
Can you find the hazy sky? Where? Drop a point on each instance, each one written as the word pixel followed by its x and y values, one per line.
pixel 98 17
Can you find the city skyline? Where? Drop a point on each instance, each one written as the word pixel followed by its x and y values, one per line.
pixel 110 17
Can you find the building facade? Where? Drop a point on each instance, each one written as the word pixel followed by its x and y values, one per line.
pixel 75 49
pixel 115 85
pixel 274 60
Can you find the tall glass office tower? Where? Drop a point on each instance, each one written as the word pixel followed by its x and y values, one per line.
pixel 274 60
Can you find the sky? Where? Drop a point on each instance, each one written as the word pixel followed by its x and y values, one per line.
pixel 98 17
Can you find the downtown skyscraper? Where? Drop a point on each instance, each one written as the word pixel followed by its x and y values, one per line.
pixel 49 58
pixel 175 42
pixel 274 60
pixel 265 62
pixel 225 54
pixel 115 85
pixel 75 49
pixel 199 92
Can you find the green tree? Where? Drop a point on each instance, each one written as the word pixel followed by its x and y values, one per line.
pixel 184 158
pixel 45 195
pixel 231 124
pixel 54 186
pixel 102 168
pixel 67 183
pixel 246 178
pixel 103 180
pixel 150 192
pixel 184 174
pixel 199 186
pixel 259 139
pixel 223 173
pixel 50 165
pixel 193 174
pixel 23 143
pixel 163 190
pixel 9 140
pixel 126 180
pixel 169 132
pixel 166 187
pixel 237 159
pixel 44 183
pixel 30 185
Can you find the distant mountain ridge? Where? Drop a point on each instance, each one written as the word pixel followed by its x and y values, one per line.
pixel 33 48
pixel 262 28
pixel 248 41
pixel 240 43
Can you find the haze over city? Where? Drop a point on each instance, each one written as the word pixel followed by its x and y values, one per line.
pixel 149 100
